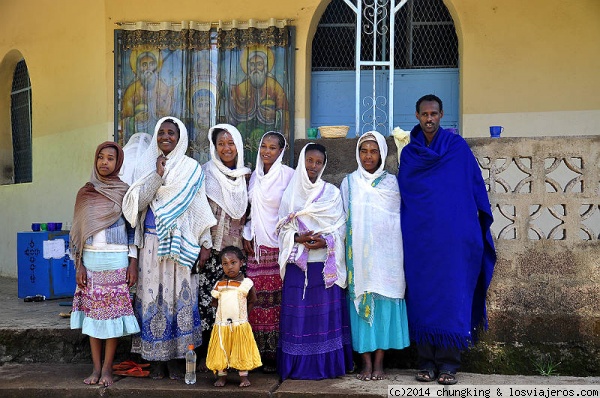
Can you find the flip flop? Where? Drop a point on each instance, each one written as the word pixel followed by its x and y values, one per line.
pixel 126 365
pixel 133 372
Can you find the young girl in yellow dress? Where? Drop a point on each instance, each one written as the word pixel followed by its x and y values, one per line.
pixel 232 343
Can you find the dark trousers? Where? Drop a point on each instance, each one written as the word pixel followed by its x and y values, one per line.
pixel 440 359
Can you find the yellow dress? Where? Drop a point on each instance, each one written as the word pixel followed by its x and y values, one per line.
pixel 232 343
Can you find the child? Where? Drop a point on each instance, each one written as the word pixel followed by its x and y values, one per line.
pixel 232 343
pixel 99 243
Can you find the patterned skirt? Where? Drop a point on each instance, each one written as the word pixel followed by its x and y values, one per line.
pixel 314 331
pixel 166 306
pixel 103 308
pixel 264 317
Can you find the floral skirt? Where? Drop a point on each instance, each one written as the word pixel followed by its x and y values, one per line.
pixel 103 308
pixel 264 317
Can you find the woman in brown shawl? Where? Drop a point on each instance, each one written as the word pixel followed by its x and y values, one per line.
pixel 105 260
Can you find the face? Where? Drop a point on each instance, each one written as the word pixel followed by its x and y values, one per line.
pixel 369 156
pixel 146 70
pixel 226 149
pixel 257 71
pixel 231 264
pixel 167 137
pixel 429 116
pixel 314 161
pixel 270 150
pixel 106 161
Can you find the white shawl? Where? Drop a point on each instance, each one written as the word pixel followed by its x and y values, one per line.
pixel 264 194
pixel 181 210
pixel 225 186
pixel 319 207
pixel 376 250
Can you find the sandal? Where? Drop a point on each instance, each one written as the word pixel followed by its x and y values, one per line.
pixel 126 365
pixel 425 375
pixel 447 378
pixel 134 372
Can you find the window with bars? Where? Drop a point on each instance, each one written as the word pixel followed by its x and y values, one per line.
pixel 424 38
pixel 20 117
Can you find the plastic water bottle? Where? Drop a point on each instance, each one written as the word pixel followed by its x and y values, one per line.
pixel 190 365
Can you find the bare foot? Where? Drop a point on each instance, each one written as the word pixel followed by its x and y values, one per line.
pixel 244 381
pixel 158 370
pixel 201 367
pixel 221 381
pixel 364 375
pixel 107 379
pixel 93 378
pixel 378 375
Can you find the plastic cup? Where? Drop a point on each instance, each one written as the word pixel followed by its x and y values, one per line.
pixel 495 131
pixel 58 226
pixel 35 226
pixel 311 133
pixel 51 226
pixel 44 226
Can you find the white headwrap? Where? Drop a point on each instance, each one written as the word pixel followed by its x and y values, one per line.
pixel 377 254
pixel 225 186
pixel 264 193
pixel 135 148
pixel 180 207
pixel 319 207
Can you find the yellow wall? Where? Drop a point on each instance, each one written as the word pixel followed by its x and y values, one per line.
pixel 531 66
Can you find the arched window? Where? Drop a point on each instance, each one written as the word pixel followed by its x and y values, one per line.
pixel 20 117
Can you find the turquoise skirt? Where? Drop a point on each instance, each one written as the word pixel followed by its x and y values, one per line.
pixel 389 328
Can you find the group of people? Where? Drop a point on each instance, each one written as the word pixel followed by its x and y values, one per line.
pixel 278 268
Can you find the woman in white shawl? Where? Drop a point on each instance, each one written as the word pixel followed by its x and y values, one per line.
pixel 314 334
pixel 375 270
pixel 167 204
pixel 227 194
pixel 268 181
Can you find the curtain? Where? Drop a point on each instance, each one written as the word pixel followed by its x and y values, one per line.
pixel 254 67
pixel 203 73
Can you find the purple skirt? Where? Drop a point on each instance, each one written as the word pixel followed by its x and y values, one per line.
pixel 314 331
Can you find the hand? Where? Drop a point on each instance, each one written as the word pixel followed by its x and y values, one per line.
pixel 161 162
pixel 203 257
pixel 317 242
pixel 248 247
pixel 132 272
pixel 81 276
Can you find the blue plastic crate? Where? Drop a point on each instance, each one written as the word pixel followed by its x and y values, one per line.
pixel 53 278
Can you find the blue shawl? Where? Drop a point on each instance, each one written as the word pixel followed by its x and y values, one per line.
pixel 449 253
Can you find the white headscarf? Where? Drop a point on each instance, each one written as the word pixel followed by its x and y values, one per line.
pixel 135 148
pixel 319 207
pixel 225 186
pixel 182 213
pixel 264 193
pixel 377 253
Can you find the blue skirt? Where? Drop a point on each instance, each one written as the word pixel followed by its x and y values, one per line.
pixel 314 334
pixel 389 328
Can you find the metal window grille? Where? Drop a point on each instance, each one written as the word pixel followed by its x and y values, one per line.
pixel 20 116
pixel 424 38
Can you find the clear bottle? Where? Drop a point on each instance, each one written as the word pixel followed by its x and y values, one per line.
pixel 190 365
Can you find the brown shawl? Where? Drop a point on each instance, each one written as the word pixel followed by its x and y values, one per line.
pixel 98 202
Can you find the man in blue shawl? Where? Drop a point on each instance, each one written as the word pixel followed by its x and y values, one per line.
pixel 449 253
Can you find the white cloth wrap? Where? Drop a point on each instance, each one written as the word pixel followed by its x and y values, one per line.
pixel 325 216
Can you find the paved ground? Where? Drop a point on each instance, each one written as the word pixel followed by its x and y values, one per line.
pixel 29 378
